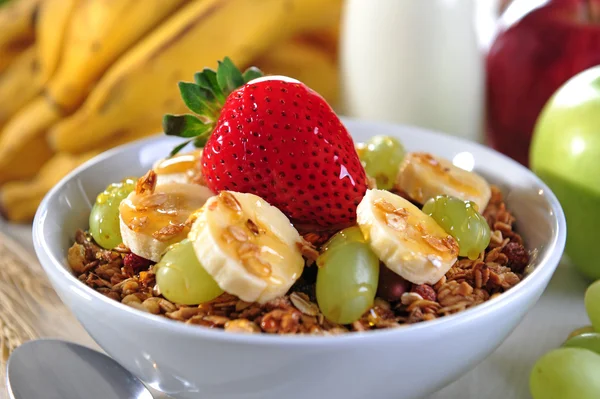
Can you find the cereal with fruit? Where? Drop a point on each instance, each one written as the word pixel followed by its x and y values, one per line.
pixel 277 222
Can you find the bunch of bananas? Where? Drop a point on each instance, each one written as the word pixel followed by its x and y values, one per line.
pixel 79 77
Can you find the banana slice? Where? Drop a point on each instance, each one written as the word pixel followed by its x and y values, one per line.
pixel 180 168
pixel 248 246
pixel 408 241
pixel 423 176
pixel 153 219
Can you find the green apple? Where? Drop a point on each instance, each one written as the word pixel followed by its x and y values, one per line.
pixel 565 153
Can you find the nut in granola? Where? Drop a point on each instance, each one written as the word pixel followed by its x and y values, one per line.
pixel 409 297
pixel 301 301
pixel 281 321
pixel 242 325
pixel 308 250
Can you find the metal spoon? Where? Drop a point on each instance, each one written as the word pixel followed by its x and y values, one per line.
pixel 54 369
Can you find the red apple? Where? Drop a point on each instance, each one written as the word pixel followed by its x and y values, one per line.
pixel 539 47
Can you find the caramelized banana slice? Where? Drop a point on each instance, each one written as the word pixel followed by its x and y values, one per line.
pixel 180 168
pixel 154 217
pixel 248 246
pixel 408 241
pixel 423 176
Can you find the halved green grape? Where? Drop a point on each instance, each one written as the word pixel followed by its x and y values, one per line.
pixel 347 277
pixel 462 221
pixel 592 304
pixel 182 279
pixel 566 373
pixel 381 157
pixel 104 217
pixel 589 341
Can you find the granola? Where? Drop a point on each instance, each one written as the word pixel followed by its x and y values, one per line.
pixel 468 283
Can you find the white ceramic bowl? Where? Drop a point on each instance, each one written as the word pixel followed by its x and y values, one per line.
pixel 194 362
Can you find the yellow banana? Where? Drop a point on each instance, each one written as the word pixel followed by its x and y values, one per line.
pixel 327 39
pixel 120 137
pixel 142 85
pixel 99 31
pixel 21 155
pixel 16 29
pixel 19 83
pixel 28 125
pixel 306 62
pixel 19 200
pixel 52 21
pixel 314 15
pixel 27 165
pixel 25 154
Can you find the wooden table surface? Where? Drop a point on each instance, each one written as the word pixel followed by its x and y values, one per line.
pixel 505 374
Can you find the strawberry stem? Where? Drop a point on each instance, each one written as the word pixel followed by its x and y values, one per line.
pixel 205 97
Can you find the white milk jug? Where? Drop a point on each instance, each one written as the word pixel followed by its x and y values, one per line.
pixel 416 62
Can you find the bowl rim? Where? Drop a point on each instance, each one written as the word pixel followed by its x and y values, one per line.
pixel 546 265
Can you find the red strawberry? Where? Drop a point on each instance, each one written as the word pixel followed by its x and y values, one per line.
pixel 280 140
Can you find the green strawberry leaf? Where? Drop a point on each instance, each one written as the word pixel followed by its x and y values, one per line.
pixel 207 79
pixel 251 74
pixel 200 141
pixel 198 99
pixel 229 76
pixel 206 98
pixel 175 150
pixel 185 126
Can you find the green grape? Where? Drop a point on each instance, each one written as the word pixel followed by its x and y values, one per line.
pixel 347 277
pixel 566 373
pixel 462 221
pixel 381 157
pixel 104 217
pixel 592 304
pixel 580 330
pixel 589 341
pixel 182 279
